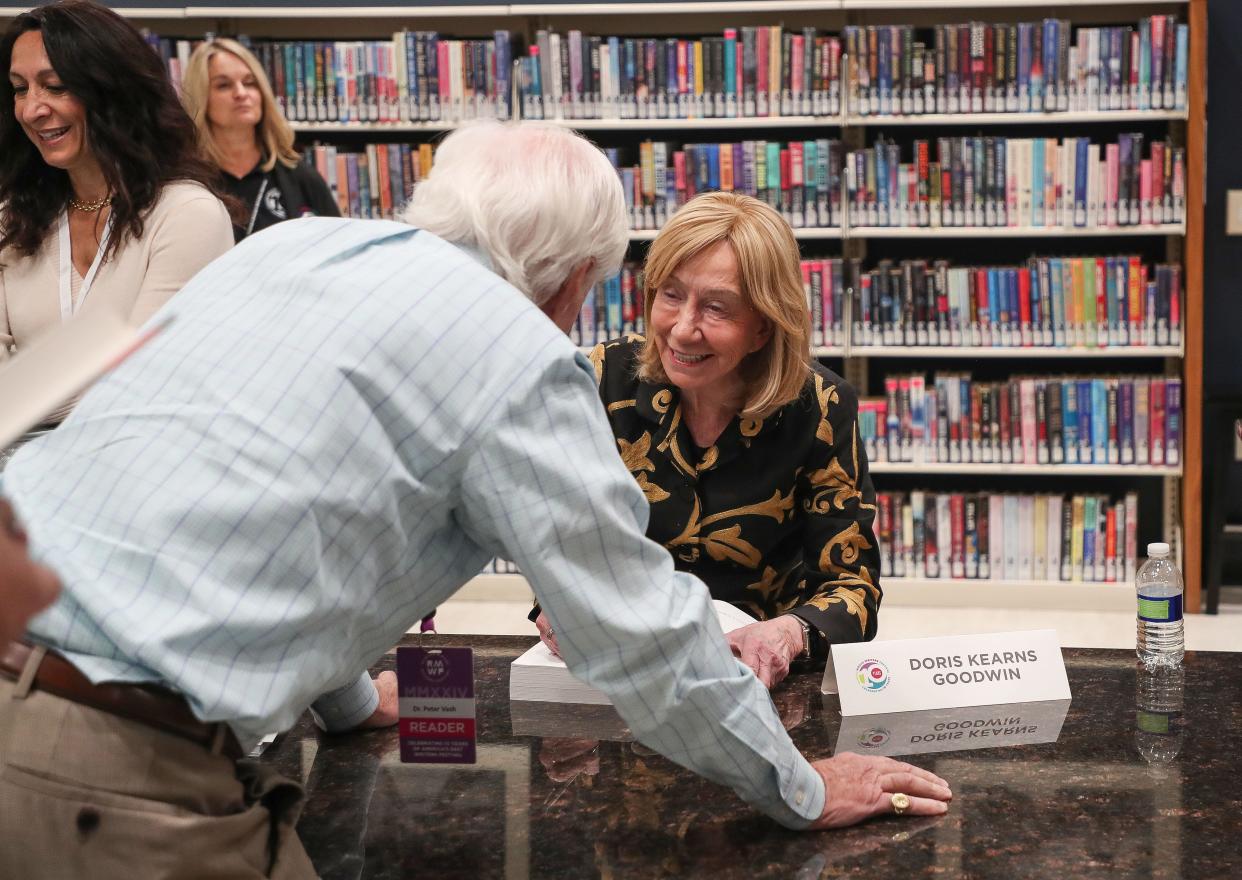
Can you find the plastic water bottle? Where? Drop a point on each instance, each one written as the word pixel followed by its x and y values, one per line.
pixel 1158 725
pixel 1161 641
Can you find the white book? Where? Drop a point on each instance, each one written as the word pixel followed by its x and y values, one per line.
pixel 1094 174
pixel 1011 537
pixel 1054 537
pixel 996 536
pixel 580 721
pixel 1026 537
pixel 541 676
pixel 1065 184
pixel 1131 542
pixel 1039 558
pixel 1025 175
pixel 61 363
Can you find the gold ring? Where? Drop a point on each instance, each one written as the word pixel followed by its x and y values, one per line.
pixel 901 802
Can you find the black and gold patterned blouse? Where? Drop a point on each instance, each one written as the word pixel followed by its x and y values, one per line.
pixel 776 517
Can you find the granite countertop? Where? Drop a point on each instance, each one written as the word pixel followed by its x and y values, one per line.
pixel 1139 778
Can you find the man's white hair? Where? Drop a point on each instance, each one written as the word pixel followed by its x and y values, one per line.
pixel 538 200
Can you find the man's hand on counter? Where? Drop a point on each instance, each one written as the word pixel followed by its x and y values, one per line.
pixel 388 711
pixel 857 787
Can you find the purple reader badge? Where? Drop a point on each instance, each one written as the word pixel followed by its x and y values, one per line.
pixel 436 695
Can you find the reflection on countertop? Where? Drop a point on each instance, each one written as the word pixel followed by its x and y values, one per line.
pixel 1140 782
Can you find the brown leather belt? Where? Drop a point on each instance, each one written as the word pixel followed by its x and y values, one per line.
pixel 147 704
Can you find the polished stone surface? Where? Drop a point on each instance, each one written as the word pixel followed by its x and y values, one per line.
pixel 1142 781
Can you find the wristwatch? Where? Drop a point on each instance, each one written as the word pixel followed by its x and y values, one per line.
pixel 805 654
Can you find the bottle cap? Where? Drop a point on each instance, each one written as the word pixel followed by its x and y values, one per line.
pixel 1158 548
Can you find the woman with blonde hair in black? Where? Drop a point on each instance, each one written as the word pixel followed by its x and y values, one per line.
pixel 244 134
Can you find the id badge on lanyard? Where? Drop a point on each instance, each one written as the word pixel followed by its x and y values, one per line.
pixel 66 267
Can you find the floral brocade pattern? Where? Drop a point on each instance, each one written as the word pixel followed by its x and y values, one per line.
pixel 777 516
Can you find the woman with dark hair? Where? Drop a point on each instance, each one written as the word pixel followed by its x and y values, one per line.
pixel 105 202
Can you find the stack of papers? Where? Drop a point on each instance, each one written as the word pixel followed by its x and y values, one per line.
pixel 541 676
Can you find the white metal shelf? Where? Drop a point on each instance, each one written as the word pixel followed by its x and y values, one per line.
pixel 994 4
pixel 1043 470
pixel 1052 116
pixel 1013 231
pixel 328 12
pixel 900 591
pixel 968 593
pixel 699 123
pixel 715 123
pixel 691 7
pixel 372 127
pixel 804 232
pixel 833 232
pixel 984 351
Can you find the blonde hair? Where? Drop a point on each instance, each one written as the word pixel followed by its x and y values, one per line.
pixel 273 133
pixel 770 277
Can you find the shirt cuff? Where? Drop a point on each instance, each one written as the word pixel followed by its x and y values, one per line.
pixel 804 797
pixel 347 707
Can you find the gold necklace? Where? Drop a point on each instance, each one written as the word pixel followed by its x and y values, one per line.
pixel 90 207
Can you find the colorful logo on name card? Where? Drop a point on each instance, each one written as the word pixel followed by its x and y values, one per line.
pixel 873 738
pixel 872 675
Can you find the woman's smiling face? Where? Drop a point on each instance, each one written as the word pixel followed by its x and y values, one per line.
pixel 702 325
pixel 53 119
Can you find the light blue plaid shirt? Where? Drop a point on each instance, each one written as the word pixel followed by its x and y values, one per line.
pixel 344 422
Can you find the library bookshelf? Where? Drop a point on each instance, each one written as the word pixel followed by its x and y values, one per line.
pixel 1179 242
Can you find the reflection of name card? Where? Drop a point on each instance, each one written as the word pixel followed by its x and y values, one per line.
pixel 540 675
pixel 908 675
pixel 952 730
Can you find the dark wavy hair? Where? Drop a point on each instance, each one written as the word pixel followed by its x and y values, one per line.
pixel 136 128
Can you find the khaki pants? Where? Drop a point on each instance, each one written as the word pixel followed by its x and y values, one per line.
pixel 85 794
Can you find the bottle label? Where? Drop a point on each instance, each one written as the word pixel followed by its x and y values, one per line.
pixel 1160 609
pixel 1152 722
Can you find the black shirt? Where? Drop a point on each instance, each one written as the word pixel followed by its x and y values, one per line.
pixel 261 199
pixel 268 197
pixel 777 516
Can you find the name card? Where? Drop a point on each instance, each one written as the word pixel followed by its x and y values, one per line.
pixel 908 675
pixel 952 730
pixel 435 696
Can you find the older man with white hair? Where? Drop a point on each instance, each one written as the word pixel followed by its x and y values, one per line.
pixel 344 422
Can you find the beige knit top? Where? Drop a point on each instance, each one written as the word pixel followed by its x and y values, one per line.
pixel 186 229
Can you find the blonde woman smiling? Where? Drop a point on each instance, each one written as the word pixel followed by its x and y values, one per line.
pixel 746 448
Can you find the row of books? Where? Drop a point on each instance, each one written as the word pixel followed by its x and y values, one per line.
pixel 744 72
pixel 1051 302
pixel 1061 302
pixel 1128 420
pixel 414 76
pixel 998 181
pixel 612 308
pixel 801 179
pixel 374 182
pixel 993 536
pixel 1025 67
pixel 974 181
